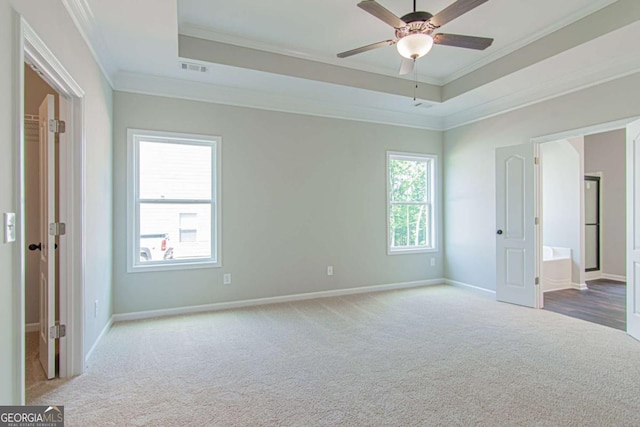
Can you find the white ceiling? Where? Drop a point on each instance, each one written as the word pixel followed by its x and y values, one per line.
pixel 541 49
pixel 319 30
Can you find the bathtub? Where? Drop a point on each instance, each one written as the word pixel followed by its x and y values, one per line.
pixel 556 268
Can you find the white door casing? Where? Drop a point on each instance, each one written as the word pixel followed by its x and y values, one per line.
pixel 633 229
pixel 515 224
pixel 47 241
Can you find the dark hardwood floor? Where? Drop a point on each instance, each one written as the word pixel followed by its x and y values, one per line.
pixel 605 303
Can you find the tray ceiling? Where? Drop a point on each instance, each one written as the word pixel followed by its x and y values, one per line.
pixel 281 55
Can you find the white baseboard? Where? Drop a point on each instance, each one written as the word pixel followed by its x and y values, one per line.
pixel 578 286
pixel 614 277
pixel 270 300
pixel 468 286
pixel 32 327
pixel 95 344
pixel 559 288
pixel 595 275
pixel 550 285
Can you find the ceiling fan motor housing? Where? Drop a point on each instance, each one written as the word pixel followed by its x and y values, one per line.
pixel 416 23
pixel 416 16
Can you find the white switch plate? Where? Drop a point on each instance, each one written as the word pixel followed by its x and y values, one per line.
pixel 226 278
pixel 9 227
pixel 433 262
pixel 330 270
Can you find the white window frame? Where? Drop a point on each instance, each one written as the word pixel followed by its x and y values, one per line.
pixel 134 136
pixel 432 164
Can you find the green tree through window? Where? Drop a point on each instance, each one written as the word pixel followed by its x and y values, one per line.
pixel 410 196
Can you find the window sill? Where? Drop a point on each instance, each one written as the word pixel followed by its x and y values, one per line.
pixel 407 251
pixel 174 266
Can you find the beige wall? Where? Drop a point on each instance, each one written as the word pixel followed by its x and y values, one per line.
pixel 8 273
pixel 299 193
pixel 52 23
pixel 605 152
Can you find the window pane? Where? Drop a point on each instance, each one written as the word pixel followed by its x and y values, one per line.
pixel 408 180
pixel 408 225
pixel 188 235
pixel 174 171
pixel 161 221
pixel 188 227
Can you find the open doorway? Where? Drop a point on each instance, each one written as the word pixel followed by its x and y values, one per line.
pixel 64 226
pixel 583 227
pixel 519 220
pixel 37 92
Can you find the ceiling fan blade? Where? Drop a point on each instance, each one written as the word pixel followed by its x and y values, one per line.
pixel 454 10
pixel 406 66
pixel 457 40
pixel 377 10
pixel 366 48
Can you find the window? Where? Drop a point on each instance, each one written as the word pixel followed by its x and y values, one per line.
pixel 174 214
pixel 410 197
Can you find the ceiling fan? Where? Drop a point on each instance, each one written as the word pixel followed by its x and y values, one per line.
pixel 414 31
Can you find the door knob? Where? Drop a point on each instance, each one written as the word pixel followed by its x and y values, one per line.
pixel 33 246
pixel 499 232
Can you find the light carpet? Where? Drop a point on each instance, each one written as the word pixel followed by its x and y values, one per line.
pixel 433 356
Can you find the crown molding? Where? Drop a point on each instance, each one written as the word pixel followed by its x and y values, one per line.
pixel 506 50
pixel 264 100
pixel 200 32
pixel 205 92
pixel 559 86
pixel 84 20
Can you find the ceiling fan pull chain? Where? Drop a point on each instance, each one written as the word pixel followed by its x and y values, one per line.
pixel 415 78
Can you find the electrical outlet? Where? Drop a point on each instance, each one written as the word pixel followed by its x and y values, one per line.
pixel 433 261
pixel 330 270
pixel 226 278
pixel 95 308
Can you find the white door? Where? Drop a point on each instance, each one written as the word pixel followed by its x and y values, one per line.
pixel 47 241
pixel 515 225
pixel 633 229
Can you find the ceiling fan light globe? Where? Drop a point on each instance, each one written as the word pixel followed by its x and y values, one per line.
pixel 414 46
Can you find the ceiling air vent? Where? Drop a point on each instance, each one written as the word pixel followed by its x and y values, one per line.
pixel 187 66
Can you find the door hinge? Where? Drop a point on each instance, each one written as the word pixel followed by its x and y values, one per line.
pixel 57 331
pixel 57 126
pixel 536 160
pixel 537 281
pixel 57 229
pixel 536 221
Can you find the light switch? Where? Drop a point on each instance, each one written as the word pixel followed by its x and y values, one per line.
pixel 9 227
